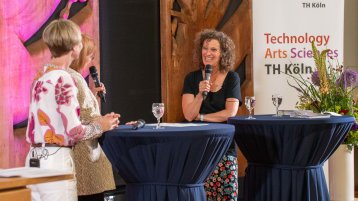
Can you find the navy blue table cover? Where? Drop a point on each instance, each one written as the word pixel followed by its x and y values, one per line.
pixel 168 164
pixel 285 155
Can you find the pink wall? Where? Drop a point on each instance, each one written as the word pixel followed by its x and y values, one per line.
pixel 19 20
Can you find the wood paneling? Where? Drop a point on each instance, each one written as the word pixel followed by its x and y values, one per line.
pixel 178 30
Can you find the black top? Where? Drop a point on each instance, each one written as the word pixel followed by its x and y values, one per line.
pixel 215 101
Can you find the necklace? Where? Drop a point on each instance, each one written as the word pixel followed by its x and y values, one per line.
pixel 53 66
pixel 214 85
pixel 212 80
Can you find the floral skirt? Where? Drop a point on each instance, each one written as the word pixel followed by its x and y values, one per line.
pixel 222 183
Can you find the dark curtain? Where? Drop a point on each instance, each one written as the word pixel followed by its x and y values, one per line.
pixel 130 57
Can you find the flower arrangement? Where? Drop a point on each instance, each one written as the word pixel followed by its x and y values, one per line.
pixel 329 90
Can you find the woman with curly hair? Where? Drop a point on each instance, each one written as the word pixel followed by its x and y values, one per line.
pixel 221 102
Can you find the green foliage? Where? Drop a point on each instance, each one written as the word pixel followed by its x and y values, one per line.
pixel 324 92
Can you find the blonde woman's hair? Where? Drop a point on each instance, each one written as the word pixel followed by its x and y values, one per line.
pixel 87 50
pixel 61 36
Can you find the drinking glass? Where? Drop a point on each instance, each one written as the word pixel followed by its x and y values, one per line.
pixel 250 104
pixel 158 111
pixel 276 100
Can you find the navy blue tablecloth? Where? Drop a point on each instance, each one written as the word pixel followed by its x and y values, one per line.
pixel 285 155
pixel 169 164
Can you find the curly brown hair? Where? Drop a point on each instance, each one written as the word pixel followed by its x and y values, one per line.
pixel 227 47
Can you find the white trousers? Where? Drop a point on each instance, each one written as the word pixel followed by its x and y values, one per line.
pixel 62 159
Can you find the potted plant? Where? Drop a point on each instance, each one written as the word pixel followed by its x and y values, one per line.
pixel 330 89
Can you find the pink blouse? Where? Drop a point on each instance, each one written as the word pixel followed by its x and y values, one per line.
pixel 54 113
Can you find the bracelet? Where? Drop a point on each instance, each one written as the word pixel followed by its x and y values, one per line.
pixel 201 117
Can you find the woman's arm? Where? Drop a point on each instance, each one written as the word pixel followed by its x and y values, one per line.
pixel 232 103
pixel 76 130
pixel 231 107
pixel 89 116
pixel 191 105
pixel 88 108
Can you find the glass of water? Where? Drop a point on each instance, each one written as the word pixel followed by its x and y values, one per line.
pixel 276 100
pixel 158 111
pixel 250 102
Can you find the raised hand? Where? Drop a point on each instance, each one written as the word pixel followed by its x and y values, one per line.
pixel 98 89
pixel 204 86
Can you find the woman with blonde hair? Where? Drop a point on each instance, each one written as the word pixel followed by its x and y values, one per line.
pixel 54 126
pixel 93 170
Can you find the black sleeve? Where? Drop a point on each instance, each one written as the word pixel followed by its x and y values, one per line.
pixel 233 89
pixel 189 85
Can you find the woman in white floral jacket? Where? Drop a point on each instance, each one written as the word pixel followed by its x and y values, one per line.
pixel 54 125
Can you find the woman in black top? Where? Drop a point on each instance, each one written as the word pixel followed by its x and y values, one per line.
pixel 222 101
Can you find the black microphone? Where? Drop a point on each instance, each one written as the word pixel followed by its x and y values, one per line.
pixel 94 75
pixel 140 123
pixel 208 70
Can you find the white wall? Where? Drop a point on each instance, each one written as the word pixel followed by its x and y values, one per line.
pixel 274 57
pixel 351 33
pixel 351 50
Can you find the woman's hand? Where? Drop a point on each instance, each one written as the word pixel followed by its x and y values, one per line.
pixel 130 123
pixel 98 89
pixel 204 85
pixel 109 121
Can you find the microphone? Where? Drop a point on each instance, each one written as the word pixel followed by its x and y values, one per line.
pixel 208 70
pixel 140 123
pixel 94 75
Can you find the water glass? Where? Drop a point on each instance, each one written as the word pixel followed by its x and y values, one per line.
pixel 158 111
pixel 277 100
pixel 250 102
